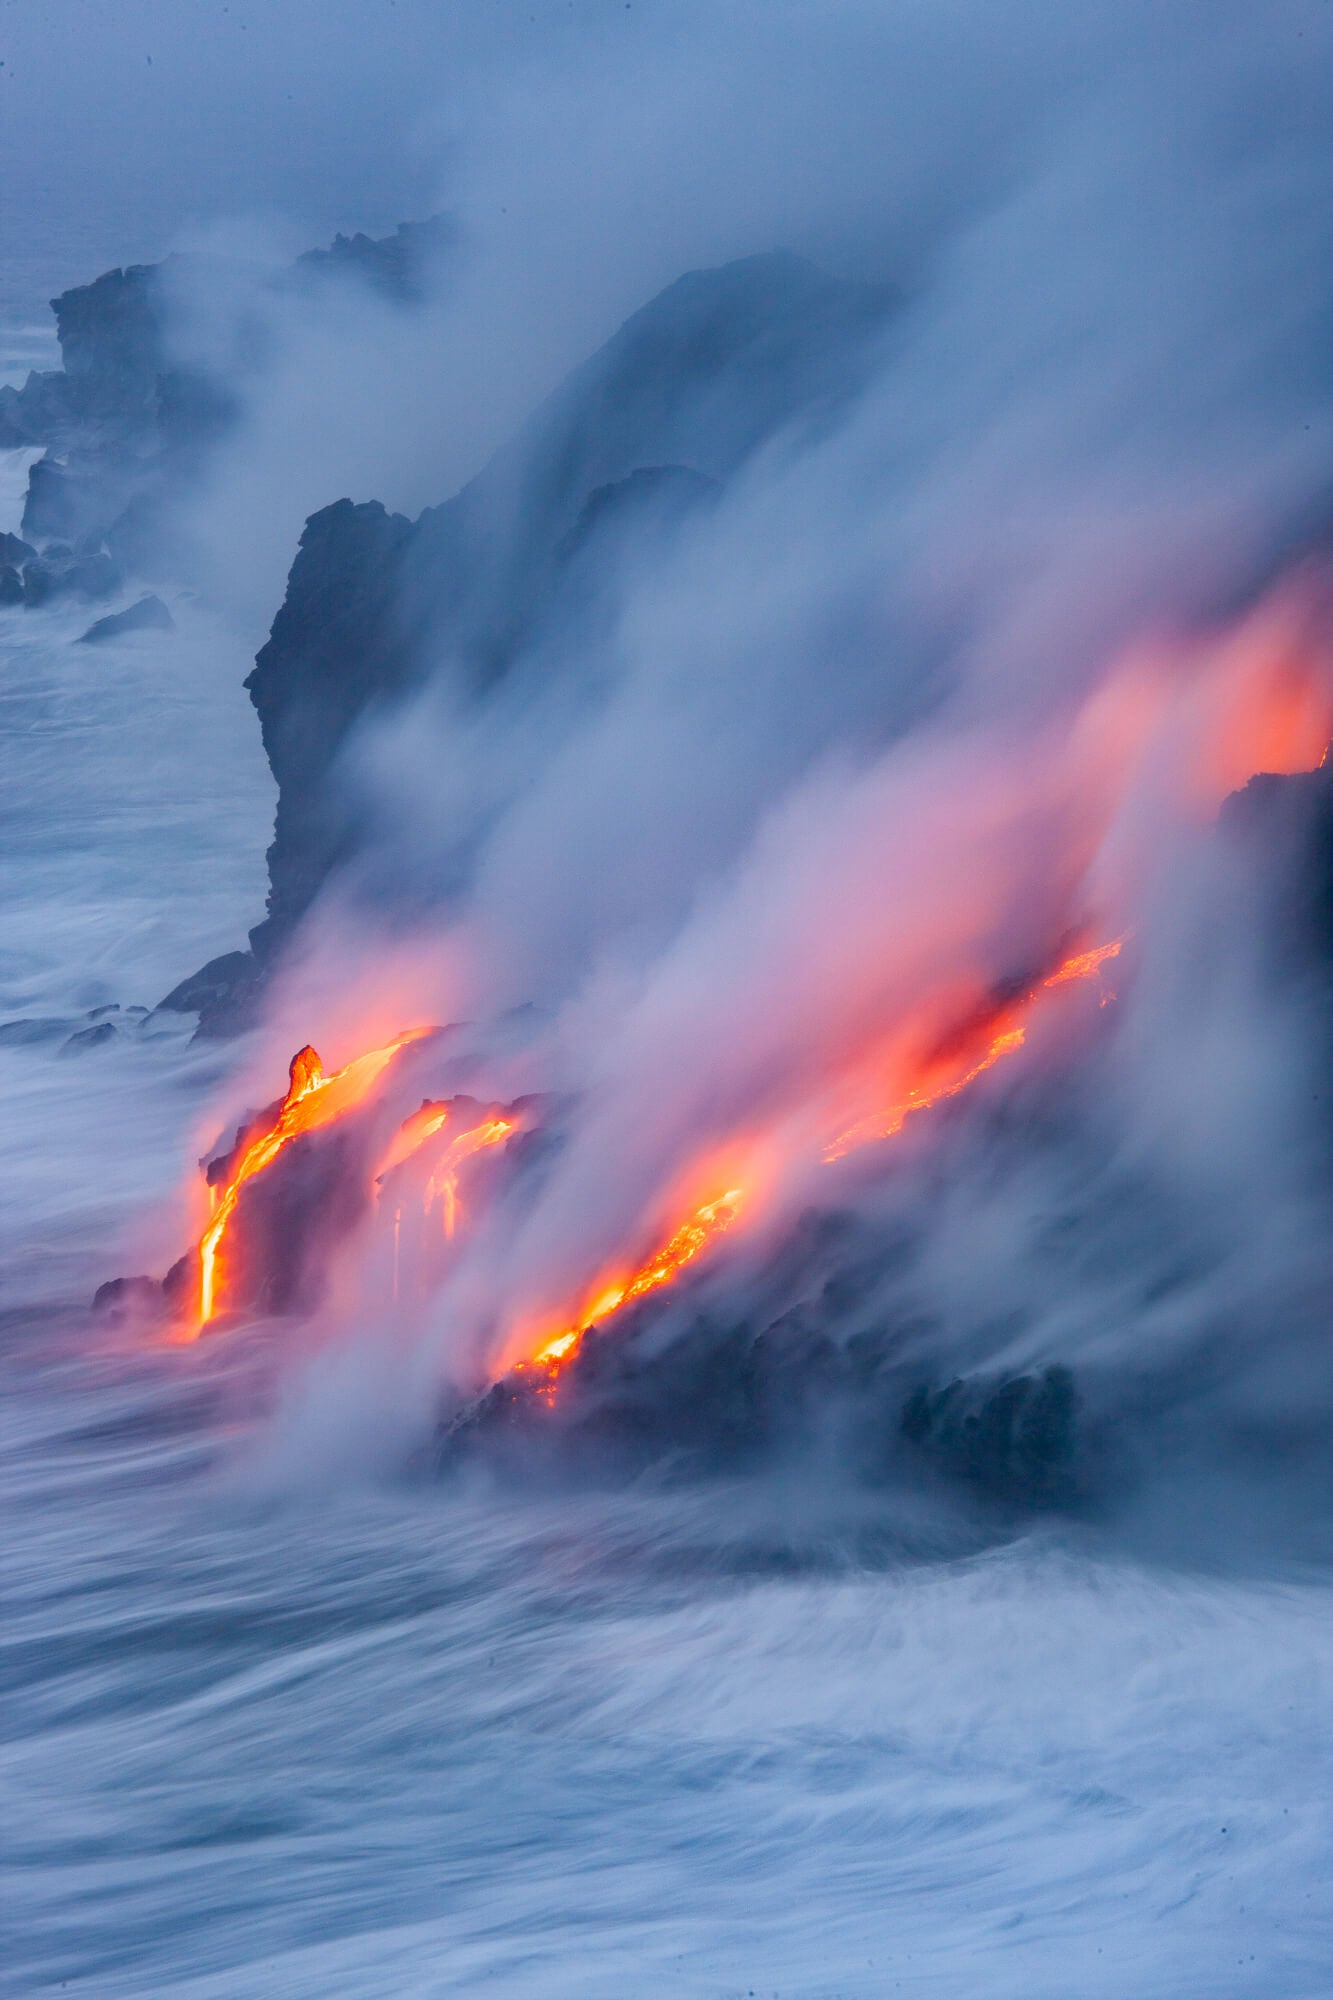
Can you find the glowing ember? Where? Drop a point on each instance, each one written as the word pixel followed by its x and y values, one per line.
pixel 313 1100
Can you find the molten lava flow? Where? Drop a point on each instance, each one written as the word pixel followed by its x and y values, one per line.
pixel 1083 964
pixel 313 1099
pixel 443 1183
pixel 1163 737
pixel 487 1126
pixel 709 1220
pixel 411 1135
pixel 994 1030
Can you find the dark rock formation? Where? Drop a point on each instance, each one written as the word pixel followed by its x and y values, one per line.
pixel 398 266
pixel 659 495
pixel 111 342
pixel 651 426
pixel 335 651
pixel 14 551
pixel 150 614
pixel 39 584
pixel 59 573
pixel 1284 826
pixel 723 1397
pixel 1013 1440
pixel 121 1299
pixel 123 424
pixel 33 1031
pixel 64 501
pixel 90 1038
pixel 224 994
pixel 11 585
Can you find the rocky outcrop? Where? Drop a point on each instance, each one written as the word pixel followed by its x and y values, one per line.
pixel 1013 1440
pixel 123 424
pixel 111 336
pixel 400 267
pixel 150 614
pixel 1284 825
pixel 14 551
pixel 637 438
pixel 62 572
pixel 224 994
pixel 726 1397
pixel 121 421
pixel 336 650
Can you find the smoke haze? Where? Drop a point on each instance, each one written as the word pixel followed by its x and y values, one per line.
pixel 878 462
pixel 821 720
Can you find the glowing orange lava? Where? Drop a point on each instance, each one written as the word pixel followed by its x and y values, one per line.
pixel 994 1031
pixel 1083 964
pixel 1184 723
pixel 492 1128
pixel 694 1235
pixel 412 1135
pixel 443 1183
pixel 313 1099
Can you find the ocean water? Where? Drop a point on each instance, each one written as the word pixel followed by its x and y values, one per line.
pixel 47 249
pixel 272 1727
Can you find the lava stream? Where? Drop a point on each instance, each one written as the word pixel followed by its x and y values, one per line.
pixel 313 1099
pixel 443 1183
pixel 996 1030
pixel 695 1234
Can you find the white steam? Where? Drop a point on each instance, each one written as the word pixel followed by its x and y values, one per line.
pixel 818 764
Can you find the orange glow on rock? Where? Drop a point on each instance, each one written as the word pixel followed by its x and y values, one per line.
pixel 443 1183
pixel 495 1125
pixel 411 1135
pixel 609 1294
pixel 313 1100
pixel 1166 735
pixel 1083 964
pixel 994 1031
pixel 956 1060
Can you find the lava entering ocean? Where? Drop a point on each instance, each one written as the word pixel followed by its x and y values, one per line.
pixel 994 1031
pixel 1162 739
pixel 312 1100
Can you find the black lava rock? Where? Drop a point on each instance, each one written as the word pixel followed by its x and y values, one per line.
pixel 33 1032
pixel 224 994
pixel 90 1038
pixel 129 1298
pixel 41 582
pixel 94 576
pixel 58 572
pixel 1013 1440
pixel 647 429
pixel 150 614
pixel 398 266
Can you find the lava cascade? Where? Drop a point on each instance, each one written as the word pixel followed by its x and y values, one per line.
pixel 994 1031
pixel 313 1099
pixel 1197 724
